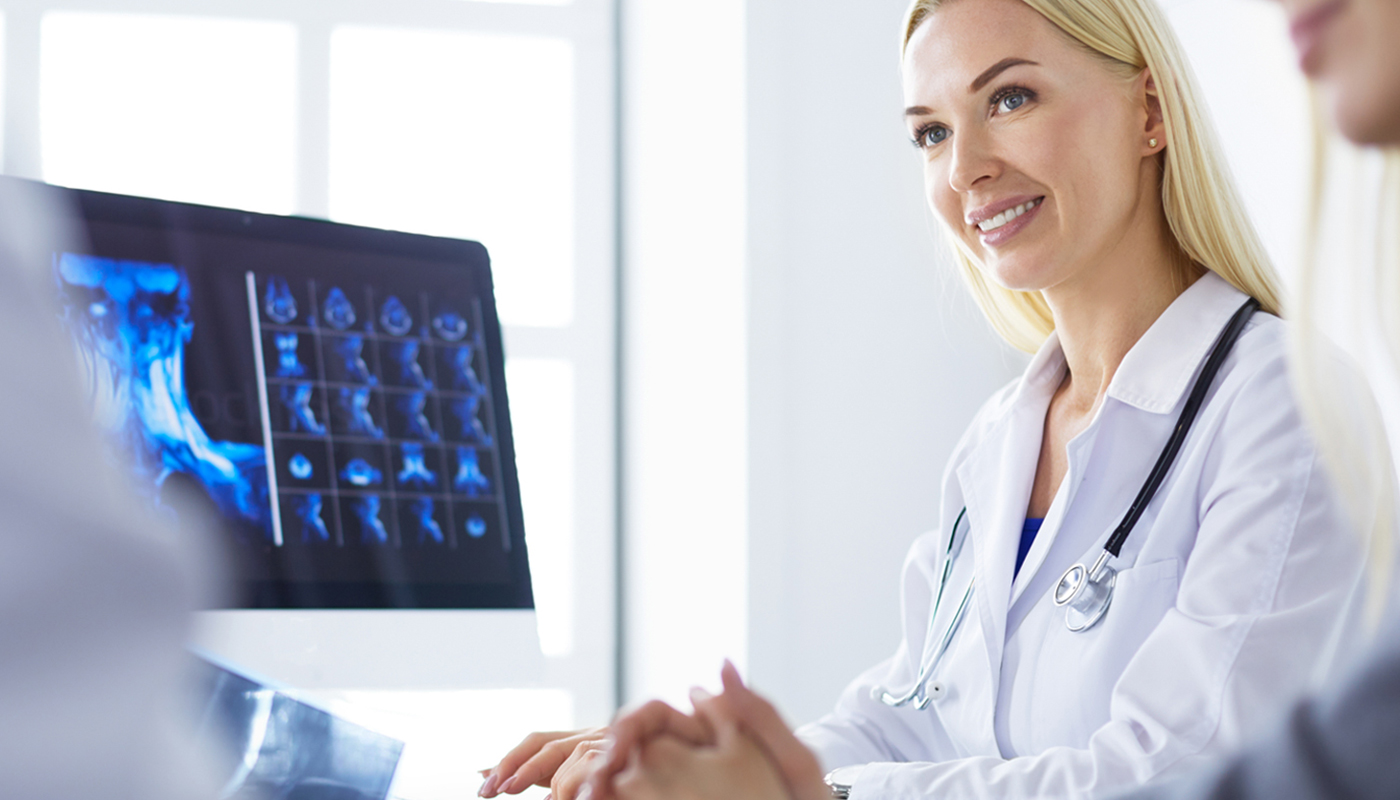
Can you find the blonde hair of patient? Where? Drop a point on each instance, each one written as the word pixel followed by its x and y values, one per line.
pixel 1201 205
pixel 1349 426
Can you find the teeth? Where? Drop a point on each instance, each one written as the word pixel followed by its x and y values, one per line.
pixel 1006 216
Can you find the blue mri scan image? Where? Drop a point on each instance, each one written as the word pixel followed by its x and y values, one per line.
pixel 470 480
pixel 301 417
pixel 288 361
pixel 476 526
pixel 394 317
pixel 428 527
pixel 405 355
pixel 354 408
pixel 359 473
pixel 339 312
pixel 278 302
pixel 300 466
pixel 464 409
pixel 463 374
pixel 313 527
pixel 415 472
pixel 350 351
pixel 411 407
pixel 450 326
pixel 372 530
pixel 131 322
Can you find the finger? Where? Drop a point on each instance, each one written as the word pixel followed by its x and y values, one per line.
pixel 721 719
pixel 541 768
pixel 521 753
pixel 631 782
pixel 632 729
pixel 571 776
pixel 799 768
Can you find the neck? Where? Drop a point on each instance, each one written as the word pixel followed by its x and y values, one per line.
pixel 1103 314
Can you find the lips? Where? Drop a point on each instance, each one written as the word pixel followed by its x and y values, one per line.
pixel 999 221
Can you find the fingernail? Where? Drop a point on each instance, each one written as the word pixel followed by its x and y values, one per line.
pixel 508 787
pixel 699 695
pixel 488 789
pixel 731 672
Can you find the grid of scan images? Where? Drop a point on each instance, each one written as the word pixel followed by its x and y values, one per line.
pixel 379 415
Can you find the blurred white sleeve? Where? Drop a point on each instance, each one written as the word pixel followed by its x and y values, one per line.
pixel 95 596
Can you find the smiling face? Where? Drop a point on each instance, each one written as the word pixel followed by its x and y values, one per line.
pixel 1036 153
pixel 1349 47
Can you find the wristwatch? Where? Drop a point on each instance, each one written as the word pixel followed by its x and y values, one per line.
pixel 842 779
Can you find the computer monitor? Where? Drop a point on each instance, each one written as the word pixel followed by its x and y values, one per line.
pixel 334 397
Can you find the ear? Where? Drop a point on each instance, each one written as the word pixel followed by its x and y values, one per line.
pixel 1154 133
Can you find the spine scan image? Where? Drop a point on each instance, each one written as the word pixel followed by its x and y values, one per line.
pixel 313 528
pixel 415 472
pixel 296 398
pixel 131 322
pixel 354 406
pixel 470 480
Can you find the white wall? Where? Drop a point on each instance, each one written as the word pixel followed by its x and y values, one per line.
pixel 866 359
pixel 685 476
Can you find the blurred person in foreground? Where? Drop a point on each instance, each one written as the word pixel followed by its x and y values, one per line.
pixel 1336 745
pixel 96 595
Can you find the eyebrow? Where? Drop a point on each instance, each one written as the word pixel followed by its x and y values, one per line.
pixel 995 70
pixel 982 80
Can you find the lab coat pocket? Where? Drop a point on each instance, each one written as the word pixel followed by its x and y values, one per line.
pixel 1077 672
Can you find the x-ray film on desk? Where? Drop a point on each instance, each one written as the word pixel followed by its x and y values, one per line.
pixel 334 395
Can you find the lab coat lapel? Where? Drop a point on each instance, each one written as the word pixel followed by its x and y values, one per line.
pixel 997 482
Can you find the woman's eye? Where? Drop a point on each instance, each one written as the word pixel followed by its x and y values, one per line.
pixel 1011 102
pixel 929 137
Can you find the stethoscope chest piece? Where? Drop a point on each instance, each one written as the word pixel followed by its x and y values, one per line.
pixel 1086 594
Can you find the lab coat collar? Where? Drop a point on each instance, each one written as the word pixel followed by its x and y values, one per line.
pixel 1157 371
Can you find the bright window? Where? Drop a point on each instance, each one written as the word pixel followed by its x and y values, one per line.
pixel 466 135
pixel 181 108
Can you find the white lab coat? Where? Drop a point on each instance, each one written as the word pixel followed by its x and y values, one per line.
pixel 1236 591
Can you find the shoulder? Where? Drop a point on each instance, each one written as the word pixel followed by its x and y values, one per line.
pixel 1253 425
pixel 1258 374
pixel 1263 372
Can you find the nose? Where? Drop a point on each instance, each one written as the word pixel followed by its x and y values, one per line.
pixel 973 162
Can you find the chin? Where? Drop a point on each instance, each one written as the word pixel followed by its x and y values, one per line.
pixel 1017 277
pixel 1368 118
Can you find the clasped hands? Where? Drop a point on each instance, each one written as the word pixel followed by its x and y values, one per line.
pixel 734 747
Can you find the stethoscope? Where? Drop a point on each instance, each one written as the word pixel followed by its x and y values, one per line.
pixel 1085 594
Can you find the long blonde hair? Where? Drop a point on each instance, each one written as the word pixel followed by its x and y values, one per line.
pixel 1347 423
pixel 1201 205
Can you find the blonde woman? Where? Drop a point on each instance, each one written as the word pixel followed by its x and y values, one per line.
pixel 1066 154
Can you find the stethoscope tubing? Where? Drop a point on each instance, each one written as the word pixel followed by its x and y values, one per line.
pixel 1220 350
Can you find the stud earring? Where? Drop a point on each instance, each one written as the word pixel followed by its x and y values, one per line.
pixel 1152 143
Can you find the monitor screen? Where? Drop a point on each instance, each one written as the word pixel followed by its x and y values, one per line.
pixel 333 395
